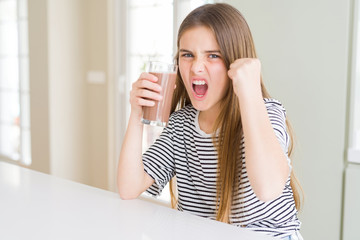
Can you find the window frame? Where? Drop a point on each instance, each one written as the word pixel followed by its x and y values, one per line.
pixel 353 151
pixel 23 90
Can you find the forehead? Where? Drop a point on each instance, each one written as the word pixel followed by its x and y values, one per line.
pixel 199 36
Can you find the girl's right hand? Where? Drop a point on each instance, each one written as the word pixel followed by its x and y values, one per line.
pixel 145 91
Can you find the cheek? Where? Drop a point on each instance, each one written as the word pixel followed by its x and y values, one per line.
pixel 219 71
pixel 183 69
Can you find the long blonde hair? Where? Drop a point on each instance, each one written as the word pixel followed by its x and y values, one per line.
pixel 235 41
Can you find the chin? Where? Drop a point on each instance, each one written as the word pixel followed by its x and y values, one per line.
pixel 199 105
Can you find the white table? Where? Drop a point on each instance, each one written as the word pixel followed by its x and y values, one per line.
pixel 38 206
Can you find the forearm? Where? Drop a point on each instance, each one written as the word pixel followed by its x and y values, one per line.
pixel 131 176
pixel 266 162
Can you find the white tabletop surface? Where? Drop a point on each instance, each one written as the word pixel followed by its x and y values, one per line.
pixel 38 206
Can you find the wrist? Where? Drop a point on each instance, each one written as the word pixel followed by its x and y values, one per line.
pixel 135 117
pixel 249 96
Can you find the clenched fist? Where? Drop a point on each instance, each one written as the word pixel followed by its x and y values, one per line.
pixel 245 75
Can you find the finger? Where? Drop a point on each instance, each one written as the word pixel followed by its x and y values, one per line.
pixel 236 63
pixel 148 76
pixel 144 93
pixel 145 102
pixel 146 84
pixel 230 74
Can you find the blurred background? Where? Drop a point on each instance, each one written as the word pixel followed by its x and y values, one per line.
pixel 66 69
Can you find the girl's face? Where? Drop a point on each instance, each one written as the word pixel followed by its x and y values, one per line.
pixel 202 68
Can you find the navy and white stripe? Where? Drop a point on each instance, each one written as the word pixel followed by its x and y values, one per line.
pixel 184 150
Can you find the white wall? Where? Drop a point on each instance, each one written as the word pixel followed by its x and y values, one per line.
pixel 39 85
pixel 69 116
pixel 97 108
pixel 67 90
pixel 303 47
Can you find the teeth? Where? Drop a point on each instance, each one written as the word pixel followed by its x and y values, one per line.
pixel 199 82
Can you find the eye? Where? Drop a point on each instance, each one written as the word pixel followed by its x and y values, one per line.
pixel 214 56
pixel 187 55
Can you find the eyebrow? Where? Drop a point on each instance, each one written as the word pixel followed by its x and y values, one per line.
pixel 207 51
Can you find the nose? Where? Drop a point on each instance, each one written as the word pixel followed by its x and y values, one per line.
pixel 198 66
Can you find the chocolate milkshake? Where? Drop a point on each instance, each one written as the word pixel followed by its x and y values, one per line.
pixel 158 115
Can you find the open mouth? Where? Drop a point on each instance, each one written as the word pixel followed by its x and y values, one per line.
pixel 200 87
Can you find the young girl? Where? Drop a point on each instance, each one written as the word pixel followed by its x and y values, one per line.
pixel 227 143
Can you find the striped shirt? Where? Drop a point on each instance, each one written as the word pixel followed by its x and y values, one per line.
pixel 184 150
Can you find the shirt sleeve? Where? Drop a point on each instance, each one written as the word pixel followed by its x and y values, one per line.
pixel 277 116
pixel 158 160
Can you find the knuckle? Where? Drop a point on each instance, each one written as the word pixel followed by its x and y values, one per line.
pixel 142 92
pixel 138 101
pixel 144 83
pixel 143 75
pixel 258 62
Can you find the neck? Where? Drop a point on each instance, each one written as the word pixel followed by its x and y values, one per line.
pixel 207 119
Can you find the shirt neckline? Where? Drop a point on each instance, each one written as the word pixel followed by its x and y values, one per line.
pixel 197 126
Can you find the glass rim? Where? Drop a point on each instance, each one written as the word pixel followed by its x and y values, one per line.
pixel 161 66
